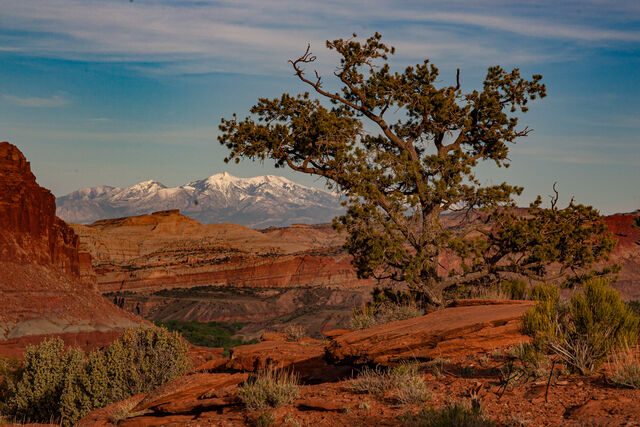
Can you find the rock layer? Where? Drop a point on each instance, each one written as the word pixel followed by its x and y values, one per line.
pixel 46 285
pixel 167 249
pixel 454 331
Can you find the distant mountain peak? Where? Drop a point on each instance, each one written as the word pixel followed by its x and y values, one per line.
pixel 258 202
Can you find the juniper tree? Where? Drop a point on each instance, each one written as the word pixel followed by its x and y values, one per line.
pixel 418 164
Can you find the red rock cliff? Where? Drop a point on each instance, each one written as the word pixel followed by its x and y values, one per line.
pixel 31 232
pixel 46 286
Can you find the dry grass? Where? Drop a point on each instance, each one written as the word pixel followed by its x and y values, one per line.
pixel 269 389
pixel 294 332
pixel 379 314
pixel 625 368
pixel 404 382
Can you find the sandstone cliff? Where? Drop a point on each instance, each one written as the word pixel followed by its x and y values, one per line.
pixel 167 249
pixel 46 285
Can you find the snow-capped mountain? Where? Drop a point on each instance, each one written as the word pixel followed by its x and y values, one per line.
pixel 257 202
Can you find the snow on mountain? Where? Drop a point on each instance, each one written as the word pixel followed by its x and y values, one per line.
pixel 257 202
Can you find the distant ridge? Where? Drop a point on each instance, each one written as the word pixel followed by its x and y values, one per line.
pixel 258 202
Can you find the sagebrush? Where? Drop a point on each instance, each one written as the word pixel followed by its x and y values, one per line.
pixel 64 384
pixel 456 414
pixel 584 331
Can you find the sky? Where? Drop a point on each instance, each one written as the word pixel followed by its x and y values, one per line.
pixel 114 92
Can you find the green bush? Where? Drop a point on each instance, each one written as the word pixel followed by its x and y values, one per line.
pixel 208 334
pixel 145 358
pixel 64 385
pixel 584 331
pixel 515 289
pixel 452 415
pixel 541 321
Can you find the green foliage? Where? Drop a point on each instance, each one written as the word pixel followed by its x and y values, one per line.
pixel 145 358
pixel 61 384
pixel 541 321
pixel 583 332
pixel 36 395
pixel 514 288
pixel 452 415
pixel 419 163
pixel 208 334
pixel 270 388
pixel 634 306
pixel 10 374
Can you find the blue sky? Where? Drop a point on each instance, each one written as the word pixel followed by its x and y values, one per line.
pixel 117 92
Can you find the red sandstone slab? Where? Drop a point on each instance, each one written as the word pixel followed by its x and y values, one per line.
pixel 453 331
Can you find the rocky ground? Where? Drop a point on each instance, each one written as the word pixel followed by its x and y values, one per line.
pixel 461 352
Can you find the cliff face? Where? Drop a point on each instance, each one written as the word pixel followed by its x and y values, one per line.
pixel 166 266
pixel 31 232
pixel 167 249
pixel 46 285
pixel 626 253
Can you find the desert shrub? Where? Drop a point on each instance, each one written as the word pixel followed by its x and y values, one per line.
pixel 64 385
pixel 363 318
pixel 10 373
pixel 270 388
pixel 36 395
pixel 145 358
pixel 634 305
pixel 403 381
pixel 452 415
pixel 438 366
pixel 265 419
pixel 625 368
pixel 584 331
pixel 389 312
pixel 294 332
pixel 514 288
pixel 383 312
pixel 531 360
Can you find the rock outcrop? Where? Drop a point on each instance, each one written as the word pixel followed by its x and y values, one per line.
pixel 31 232
pixel 46 285
pixel 166 266
pixel 167 249
pixel 209 394
pixel 454 331
pixel 626 253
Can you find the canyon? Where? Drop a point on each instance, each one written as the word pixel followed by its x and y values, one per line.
pixel 167 266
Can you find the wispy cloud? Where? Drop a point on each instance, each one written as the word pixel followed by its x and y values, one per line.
pixel 35 102
pixel 195 34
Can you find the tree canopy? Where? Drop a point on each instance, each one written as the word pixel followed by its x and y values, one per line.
pixel 415 166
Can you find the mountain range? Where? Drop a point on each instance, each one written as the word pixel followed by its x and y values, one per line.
pixel 258 202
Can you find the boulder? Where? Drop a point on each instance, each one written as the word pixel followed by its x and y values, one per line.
pixel 190 393
pixel 304 358
pixel 450 332
pixel 110 415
